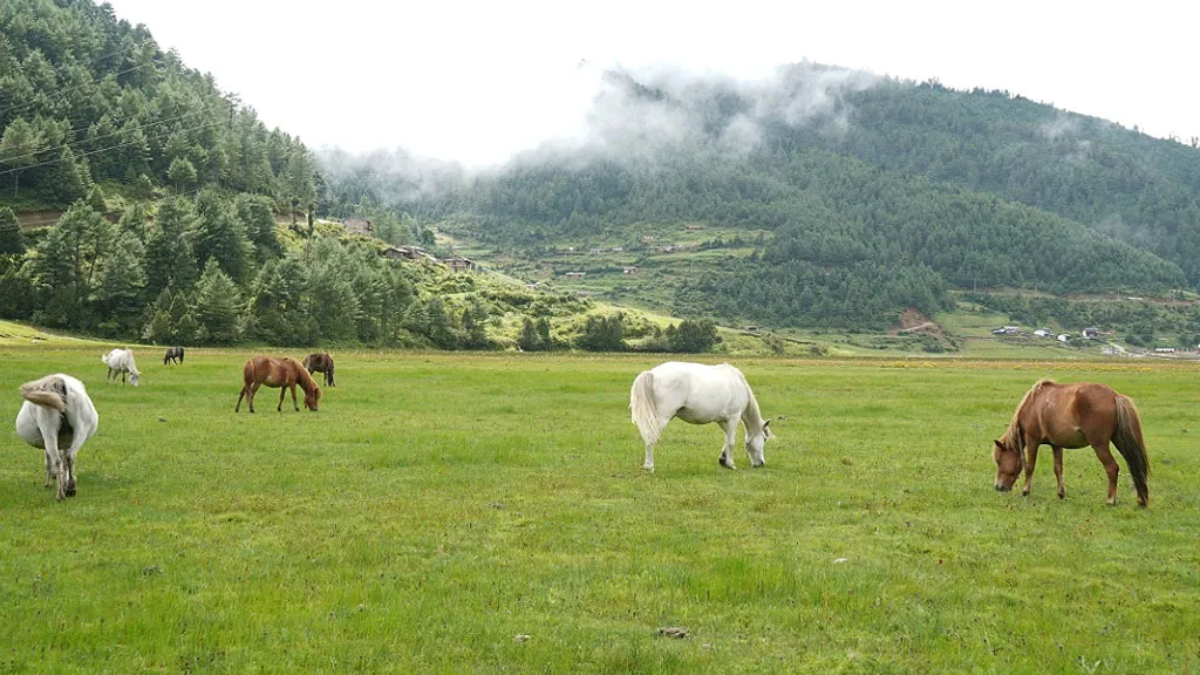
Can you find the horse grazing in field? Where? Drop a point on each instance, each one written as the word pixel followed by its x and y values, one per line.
pixel 1072 416
pixel 698 394
pixel 283 373
pixel 58 417
pixel 321 363
pixel 121 361
pixel 173 355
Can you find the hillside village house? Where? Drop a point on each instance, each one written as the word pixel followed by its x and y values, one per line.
pixel 629 269
pixel 414 253
pixel 460 264
pixel 357 226
pixel 576 275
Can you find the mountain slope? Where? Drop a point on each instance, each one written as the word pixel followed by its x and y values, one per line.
pixel 880 196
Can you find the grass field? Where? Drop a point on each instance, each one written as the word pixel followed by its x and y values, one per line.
pixel 450 513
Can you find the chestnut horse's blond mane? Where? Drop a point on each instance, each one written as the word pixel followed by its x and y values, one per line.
pixel 304 379
pixel 1012 437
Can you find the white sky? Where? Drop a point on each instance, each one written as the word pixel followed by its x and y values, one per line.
pixel 477 82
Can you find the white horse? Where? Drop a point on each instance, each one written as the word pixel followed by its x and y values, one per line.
pixel 121 361
pixel 698 394
pixel 58 417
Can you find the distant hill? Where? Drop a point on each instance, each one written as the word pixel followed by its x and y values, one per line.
pixel 877 196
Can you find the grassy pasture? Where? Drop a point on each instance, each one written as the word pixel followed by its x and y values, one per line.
pixel 439 506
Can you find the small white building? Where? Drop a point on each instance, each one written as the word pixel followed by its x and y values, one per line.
pixel 1043 332
pixel 1064 338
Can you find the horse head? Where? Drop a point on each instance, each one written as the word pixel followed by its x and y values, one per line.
pixel 755 443
pixel 133 377
pixel 1008 463
pixel 311 397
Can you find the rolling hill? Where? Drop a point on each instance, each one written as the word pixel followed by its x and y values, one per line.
pixel 823 198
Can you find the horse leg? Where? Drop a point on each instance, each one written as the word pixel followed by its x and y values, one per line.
pixel 68 460
pixel 51 466
pixel 282 393
pixel 1110 468
pixel 240 397
pixel 730 429
pixel 1058 470
pixel 1031 450
pixel 250 399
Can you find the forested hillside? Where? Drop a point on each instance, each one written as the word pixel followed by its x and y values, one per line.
pixel 184 220
pixel 879 195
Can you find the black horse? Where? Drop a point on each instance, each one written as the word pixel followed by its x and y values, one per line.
pixel 174 354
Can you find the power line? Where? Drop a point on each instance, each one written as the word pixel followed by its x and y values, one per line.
pixel 82 141
pixel 62 92
pixel 94 152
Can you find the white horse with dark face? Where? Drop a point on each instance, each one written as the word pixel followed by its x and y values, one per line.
pixel 121 361
pixel 698 394
pixel 58 417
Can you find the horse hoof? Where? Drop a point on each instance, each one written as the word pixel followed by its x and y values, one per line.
pixel 1062 495
pixel 648 469
pixel 1024 493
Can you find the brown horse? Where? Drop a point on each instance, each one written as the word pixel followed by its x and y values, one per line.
pixel 1072 416
pixel 321 363
pixel 283 373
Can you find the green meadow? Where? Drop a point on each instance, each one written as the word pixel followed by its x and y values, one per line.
pixel 486 513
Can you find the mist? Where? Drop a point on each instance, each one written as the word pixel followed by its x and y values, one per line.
pixel 637 116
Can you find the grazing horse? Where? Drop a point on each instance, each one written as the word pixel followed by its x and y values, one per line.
pixel 698 394
pixel 1072 416
pixel 121 361
pixel 321 363
pixel 283 373
pixel 58 417
pixel 173 355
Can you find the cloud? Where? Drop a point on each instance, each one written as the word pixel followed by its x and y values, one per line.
pixel 646 115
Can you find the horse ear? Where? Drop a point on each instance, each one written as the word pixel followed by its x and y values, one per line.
pixel 999 445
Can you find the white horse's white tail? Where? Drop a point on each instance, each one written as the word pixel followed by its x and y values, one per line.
pixel 50 391
pixel 644 407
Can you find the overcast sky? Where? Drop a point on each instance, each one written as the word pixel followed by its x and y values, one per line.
pixel 477 82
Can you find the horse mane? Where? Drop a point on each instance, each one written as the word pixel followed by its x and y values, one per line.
pixel 1010 437
pixel 752 413
pixel 305 380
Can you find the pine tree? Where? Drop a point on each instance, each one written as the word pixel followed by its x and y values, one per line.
pixel 10 233
pixel 119 290
pixel 217 305
pixel 529 340
pixel 19 147
pixel 218 235
pixel 169 258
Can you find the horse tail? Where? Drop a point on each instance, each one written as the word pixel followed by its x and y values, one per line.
pixel 49 391
pixel 643 407
pixel 1128 439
